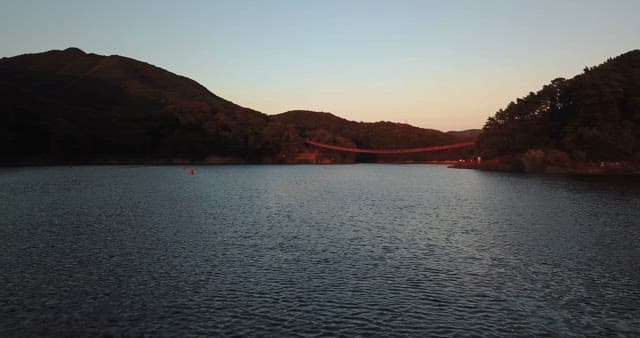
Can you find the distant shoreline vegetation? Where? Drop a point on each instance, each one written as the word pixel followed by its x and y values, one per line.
pixel 70 107
pixel 67 106
pixel 549 161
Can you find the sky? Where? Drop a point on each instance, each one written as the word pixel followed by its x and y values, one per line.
pixel 445 65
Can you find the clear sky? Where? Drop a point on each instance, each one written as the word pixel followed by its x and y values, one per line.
pixel 436 64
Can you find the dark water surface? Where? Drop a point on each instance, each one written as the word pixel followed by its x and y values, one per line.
pixel 348 250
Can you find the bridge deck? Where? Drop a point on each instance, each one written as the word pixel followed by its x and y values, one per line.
pixel 391 151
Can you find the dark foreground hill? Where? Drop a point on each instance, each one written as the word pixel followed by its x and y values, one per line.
pixel 69 106
pixel 578 125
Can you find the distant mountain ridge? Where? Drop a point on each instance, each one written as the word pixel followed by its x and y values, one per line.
pixel 70 106
pixel 324 127
pixel 466 135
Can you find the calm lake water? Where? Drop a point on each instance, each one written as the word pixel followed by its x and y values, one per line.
pixel 346 250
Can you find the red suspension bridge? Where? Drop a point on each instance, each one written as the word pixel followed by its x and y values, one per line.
pixel 391 151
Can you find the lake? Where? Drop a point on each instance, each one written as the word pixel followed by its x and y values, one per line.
pixel 343 250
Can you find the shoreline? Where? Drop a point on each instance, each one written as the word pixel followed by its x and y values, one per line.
pixel 613 168
pixel 494 165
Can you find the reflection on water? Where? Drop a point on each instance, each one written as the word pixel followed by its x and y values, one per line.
pixel 316 250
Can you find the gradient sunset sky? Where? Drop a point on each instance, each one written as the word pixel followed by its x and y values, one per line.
pixel 435 64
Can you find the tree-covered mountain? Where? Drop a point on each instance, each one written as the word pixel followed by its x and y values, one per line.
pixel 69 105
pixel 66 106
pixel 328 128
pixel 591 118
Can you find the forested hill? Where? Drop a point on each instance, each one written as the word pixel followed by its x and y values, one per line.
pixel 68 106
pixel 72 106
pixel 370 134
pixel 593 117
pixel 328 128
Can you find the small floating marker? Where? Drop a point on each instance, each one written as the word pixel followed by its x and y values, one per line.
pixel 192 172
pixel 184 168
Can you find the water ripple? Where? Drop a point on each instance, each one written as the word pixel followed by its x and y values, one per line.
pixel 360 250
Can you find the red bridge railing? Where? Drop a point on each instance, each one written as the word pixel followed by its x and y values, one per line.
pixel 391 151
